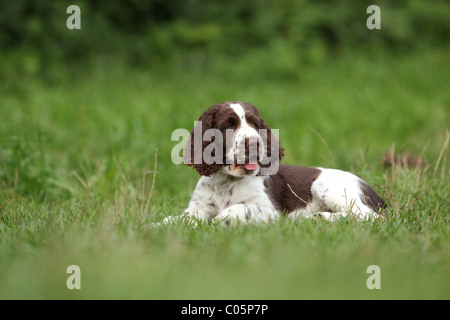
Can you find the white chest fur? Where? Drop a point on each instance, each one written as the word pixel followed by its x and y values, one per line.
pixel 223 196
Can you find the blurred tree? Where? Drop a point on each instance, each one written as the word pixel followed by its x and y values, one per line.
pixel 141 30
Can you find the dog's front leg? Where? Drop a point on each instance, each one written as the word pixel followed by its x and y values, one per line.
pixel 190 216
pixel 200 208
pixel 246 213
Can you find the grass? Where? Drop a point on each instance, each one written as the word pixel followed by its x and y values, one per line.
pixel 85 167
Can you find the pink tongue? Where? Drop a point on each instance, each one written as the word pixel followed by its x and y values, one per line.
pixel 251 166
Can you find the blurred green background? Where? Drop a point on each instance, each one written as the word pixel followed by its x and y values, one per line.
pixel 111 88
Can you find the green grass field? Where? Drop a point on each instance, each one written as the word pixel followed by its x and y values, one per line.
pixel 78 184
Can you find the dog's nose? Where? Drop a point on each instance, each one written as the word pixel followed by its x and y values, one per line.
pixel 251 147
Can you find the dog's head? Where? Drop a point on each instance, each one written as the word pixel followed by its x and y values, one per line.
pixel 232 138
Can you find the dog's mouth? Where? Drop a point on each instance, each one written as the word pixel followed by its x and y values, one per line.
pixel 243 165
pixel 249 165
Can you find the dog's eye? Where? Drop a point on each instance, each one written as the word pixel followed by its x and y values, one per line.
pixel 255 125
pixel 230 126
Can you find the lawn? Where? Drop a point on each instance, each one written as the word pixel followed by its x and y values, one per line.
pixel 85 167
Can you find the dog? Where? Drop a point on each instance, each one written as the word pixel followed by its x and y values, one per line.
pixel 242 180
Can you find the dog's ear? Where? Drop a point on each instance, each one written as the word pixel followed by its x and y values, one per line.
pixel 193 154
pixel 273 151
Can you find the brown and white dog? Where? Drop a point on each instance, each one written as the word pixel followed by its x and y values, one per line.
pixel 238 156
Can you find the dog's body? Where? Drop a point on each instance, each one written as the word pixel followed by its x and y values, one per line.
pixel 249 185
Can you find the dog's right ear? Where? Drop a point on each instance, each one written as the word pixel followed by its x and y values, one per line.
pixel 193 151
pixel 273 152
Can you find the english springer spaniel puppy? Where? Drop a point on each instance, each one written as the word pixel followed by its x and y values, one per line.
pixel 238 156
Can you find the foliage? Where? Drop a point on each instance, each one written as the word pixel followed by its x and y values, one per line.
pixel 144 32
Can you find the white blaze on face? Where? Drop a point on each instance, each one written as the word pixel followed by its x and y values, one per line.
pixel 242 132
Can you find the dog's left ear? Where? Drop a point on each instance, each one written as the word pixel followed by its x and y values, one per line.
pixel 274 150
pixel 194 149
